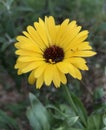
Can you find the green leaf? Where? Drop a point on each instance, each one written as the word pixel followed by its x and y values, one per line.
pixel 72 120
pixel 64 114
pixel 98 93
pixel 58 114
pixel 74 129
pixel 36 4
pixel 16 108
pixel 7 3
pixel 81 111
pixel 38 115
pixel 62 128
pixel 24 9
pixel 94 122
pixel 102 27
pixel 104 120
pixel 7 122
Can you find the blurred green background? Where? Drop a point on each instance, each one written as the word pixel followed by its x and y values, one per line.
pixel 15 16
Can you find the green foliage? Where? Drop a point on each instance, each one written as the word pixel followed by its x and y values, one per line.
pixel 98 93
pixel 17 108
pixel 37 115
pixel 63 117
pixel 7 122
pixel 81 111
pixel 40 119
pixel 94 122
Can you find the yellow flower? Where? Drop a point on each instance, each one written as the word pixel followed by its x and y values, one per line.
pixel 50 51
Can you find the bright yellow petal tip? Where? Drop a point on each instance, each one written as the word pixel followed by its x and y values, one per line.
pixel 50 51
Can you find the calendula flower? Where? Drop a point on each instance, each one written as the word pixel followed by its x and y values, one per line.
pixel 50 51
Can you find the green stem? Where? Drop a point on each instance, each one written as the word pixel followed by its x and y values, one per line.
pixel 70 98
pixel 72 104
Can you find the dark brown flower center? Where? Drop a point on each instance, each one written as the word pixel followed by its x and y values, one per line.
pixel 53 54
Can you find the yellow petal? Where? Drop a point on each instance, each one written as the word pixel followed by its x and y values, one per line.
pixel 63 66
pixel 77 59
pixel 20 65
pixel 61 31
pixel 70 33
pixel 47 24
pixel 29 47
pixel 17 45
pixel 39 82
pixel 34 35
pixel 68 54
pixel 66 43
pixel 84 53
pixel 31 66
pixel 29 58
pixel 19 72
pixel 82 46
pixel 78 39
pixel 72 24
pixel 56 77
pixel 74 72
pixel 31 78
pixel 79 63
pixel 27 34
pixel 22 52
pixel 48 74
pixel 40 28
pixel 40 70
pixel 51 29
pixel 63 77
pixel 82 35
pixel 27 44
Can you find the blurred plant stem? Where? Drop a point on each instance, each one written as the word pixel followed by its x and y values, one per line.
pixel 70 100
pixel 49 5
pixel 73 104
pixel 87 88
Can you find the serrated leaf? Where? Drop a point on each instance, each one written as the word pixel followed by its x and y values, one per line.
pixel 38 115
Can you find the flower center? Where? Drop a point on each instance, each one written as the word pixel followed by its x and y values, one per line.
pixel 53 54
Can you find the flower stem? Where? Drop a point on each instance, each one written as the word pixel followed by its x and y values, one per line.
pixel 70 98
pixel 72 104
